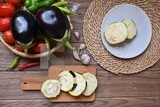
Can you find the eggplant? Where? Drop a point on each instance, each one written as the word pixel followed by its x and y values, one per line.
pixel 54 24
pixel 24 29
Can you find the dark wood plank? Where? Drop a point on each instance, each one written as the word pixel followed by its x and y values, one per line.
pixel 142 84
pixel 110 85
pixel 99 102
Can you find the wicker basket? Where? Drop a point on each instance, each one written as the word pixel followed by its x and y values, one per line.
pixel 28 55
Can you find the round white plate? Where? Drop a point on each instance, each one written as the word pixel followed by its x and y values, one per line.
pixel 136 46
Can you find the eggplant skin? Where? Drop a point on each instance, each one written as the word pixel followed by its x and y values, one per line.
pixel 24 27
pixel 52 22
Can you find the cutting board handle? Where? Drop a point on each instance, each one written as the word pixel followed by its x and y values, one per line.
pixel 31 83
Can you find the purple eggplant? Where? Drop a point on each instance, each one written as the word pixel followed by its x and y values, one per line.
pixel 54 24
pixel 24 29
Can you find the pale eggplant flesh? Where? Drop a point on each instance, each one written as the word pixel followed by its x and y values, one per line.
pixel 51 88
pixel 116 33
pixel 80 87
pixel 92 83
pixel 66 79
pixel 131 27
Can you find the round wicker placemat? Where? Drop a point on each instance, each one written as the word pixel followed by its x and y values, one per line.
pixel 91 30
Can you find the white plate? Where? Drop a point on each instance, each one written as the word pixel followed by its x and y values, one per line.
pixel 137 45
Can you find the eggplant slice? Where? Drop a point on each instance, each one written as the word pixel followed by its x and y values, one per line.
pixel 116 33
pixel 92 83
pixel 66 79
pixel 131 27
pixel 81 85
pixel 51 88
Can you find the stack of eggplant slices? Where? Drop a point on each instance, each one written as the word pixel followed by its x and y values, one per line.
pixel 74 83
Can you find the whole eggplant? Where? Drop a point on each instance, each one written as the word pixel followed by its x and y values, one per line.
pixel 24 28
pixel 52 22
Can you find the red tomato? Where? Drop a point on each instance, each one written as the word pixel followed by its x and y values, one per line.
pixel 17 47
pixel 6 10
pixel 4 23
pixel 8 37
pixel 15 2
pixel 39 47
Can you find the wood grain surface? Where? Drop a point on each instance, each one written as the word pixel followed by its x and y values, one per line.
pixel 138 90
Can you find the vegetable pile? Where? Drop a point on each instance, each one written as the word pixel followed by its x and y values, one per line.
pixel 42 20
pixel 74 83
pixel 118 32
pixel 36 27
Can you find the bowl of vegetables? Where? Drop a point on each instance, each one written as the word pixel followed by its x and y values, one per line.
pixel 34 28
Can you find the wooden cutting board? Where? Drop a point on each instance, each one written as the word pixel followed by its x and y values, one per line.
pixel 29 83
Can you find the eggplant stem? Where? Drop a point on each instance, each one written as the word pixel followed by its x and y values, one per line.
pixel 48 47
pixel 25 51
pixel 74 14
pixel 69 34
pixel 69 46
pixel 47 43
pixel 64 39
pixel 67 43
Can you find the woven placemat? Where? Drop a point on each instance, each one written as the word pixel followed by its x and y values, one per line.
pixel 91 30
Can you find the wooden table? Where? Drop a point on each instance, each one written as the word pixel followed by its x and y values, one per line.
pixel 138 90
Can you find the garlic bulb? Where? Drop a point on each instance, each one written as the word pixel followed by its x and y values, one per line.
pixel 81 55
pixel 85 58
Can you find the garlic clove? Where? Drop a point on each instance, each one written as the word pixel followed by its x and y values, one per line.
pixel 82 46
pixel 77 35
pixel 85 59
pixel 76 55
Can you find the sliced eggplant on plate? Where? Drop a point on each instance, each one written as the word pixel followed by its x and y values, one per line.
pixel 66 79
pixel 92 83
pixel 51 88
pixel 81 85
pixel 116 33
pixel 131 27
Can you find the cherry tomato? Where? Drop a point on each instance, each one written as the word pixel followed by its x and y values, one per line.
pixel 6 10
pixel 15 2
pixel 39 47
pixel 4 23
pixel 17 47
pixel 8 37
